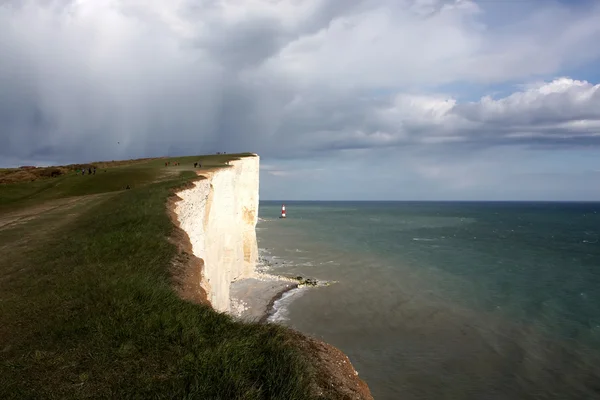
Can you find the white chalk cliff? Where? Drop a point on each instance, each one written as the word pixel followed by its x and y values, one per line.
pixel 219 214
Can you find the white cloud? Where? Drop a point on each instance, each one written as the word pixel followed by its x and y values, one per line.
pixel 387 44
pixel 390 44
pixel 561 104
pixel 553 111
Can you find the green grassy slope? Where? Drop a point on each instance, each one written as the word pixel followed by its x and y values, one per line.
pixel 107 179
pixel 87 309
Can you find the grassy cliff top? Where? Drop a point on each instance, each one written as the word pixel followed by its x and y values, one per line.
pixel 26 186
pixel 87 305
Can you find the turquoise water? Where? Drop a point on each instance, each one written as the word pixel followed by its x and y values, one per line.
pixel 448 300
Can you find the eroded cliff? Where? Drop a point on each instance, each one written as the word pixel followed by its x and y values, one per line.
pixel 219 214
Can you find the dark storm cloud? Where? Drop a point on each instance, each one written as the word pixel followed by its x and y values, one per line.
pixel 99 80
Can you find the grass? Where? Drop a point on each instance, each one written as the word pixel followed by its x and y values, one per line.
pixel 18 195
pixel 87 308
pixel 110 176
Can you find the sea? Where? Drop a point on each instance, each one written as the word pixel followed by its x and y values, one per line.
pixel 446 300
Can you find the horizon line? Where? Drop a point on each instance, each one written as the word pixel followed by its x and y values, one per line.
pixel 436 201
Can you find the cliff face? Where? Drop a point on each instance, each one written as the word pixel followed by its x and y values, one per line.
pixel 219 214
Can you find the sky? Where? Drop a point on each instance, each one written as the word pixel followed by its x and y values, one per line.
pixel 342 99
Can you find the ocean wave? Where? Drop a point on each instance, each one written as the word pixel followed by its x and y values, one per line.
pixel 424 239
pixel 304 264
pixel 280 311
pixel 327 262
pixel 266 268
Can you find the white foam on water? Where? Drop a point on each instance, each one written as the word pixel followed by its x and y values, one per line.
pixel 327 262
pixel 262 251
pixel 266 270
pixel 304 264
pixel 280 311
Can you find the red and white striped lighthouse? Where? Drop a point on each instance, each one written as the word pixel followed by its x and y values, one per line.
pixel 283 211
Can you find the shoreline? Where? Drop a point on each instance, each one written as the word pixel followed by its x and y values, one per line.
pixel 271 306
pixel 262 271
pixel 253 299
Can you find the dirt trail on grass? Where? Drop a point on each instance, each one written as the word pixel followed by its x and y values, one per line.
pixel 11 218
pixel 24 229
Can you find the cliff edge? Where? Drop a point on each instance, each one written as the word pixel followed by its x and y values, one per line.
pixel 218 214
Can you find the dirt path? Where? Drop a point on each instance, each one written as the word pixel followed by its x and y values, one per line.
pixel 9 219
pixel 23 230
pixel 49 208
